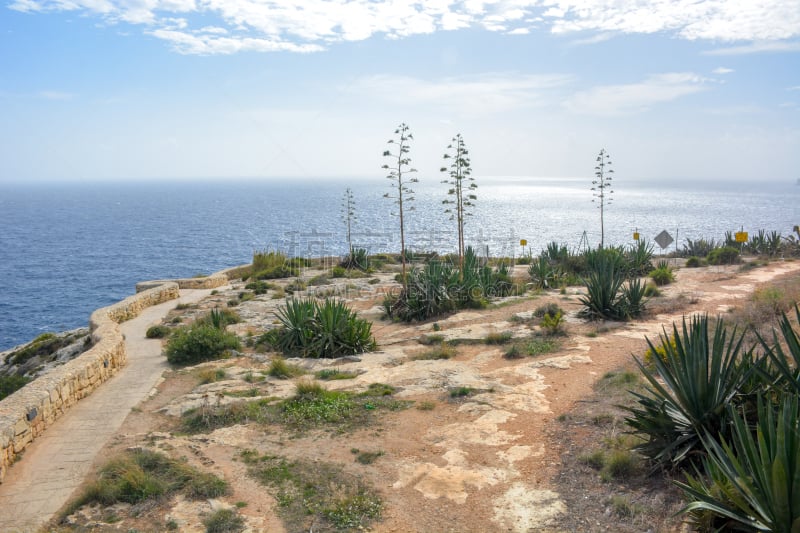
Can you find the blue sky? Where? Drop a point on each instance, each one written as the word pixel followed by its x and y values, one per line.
pixel 154 89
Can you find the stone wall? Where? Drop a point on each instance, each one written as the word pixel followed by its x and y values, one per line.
pixel 213 281
pixel 25 414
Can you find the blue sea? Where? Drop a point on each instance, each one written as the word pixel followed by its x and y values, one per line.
pixel 68 248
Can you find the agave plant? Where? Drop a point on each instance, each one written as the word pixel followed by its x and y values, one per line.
pixel 542 272
pixel 603 284
pixel 774 243
pixel 632 301
pixel 784 357
pixel 702 247
pixel 429 292
pixel 694 381
pixel 325 330
pixel 357 258
pixel 640 257
pixel 753 481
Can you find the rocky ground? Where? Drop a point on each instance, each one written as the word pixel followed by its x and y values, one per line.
pixel 477 442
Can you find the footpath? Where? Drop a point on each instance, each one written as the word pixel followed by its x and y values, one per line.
pixel 56 463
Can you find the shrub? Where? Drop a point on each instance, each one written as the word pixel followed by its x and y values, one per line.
pixel 329 374
pixel 321 330
pixel 211 375
pixel 157 332
pixel 726 255
pixel 442 351
pixel 552 324
pixel 280 369
pixel 44 344
pixel 433 338
pixel 200 342
pixel 513 352
pixel 651 291
pixel 224 521
pixel 540 346
pixel 259 287
pixel 694 262
pixel 220 318
pixel 338 272
pixel 314 496
pixel 271 265
pixel 498 337
pixel 141 475
pixel 662 275
pixel 548 309
pixel 11 384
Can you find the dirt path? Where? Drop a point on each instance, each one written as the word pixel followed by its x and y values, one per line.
pixel 58 461
pixel 485 462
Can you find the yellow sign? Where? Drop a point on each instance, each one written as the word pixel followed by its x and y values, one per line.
pixel 741 236
pixel 523 242
pixel 635 235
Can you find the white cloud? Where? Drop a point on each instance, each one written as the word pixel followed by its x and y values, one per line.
pixel 608 100
pixel 722 70
pixel 795 88
pixel 475 95
pixel 304 25
pixel 757 48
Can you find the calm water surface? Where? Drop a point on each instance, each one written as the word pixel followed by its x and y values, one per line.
pixel 68 249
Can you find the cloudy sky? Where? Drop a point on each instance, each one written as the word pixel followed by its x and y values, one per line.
pixel 153 89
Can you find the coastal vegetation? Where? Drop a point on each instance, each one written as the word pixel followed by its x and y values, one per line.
pixel 203 340
pixel 723 417
pixel 399 169
pixel 327 329
pixel 462 187
pixel 601 187
pixel 142 475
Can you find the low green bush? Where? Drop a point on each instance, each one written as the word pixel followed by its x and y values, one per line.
pixel 694 262
pixel 662 275
pixel 220 318
pixel 224 521
pixel 157 332
pixel 140 475
pixel 198 343
pixel 553 324
pixel 11 384
pixel 726 255
pixel 280 369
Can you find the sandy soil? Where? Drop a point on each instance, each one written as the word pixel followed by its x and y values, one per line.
pixel 493 461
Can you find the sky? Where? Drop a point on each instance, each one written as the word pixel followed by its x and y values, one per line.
pixel 113 90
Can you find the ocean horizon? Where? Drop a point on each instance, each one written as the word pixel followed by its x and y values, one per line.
pixel 67 249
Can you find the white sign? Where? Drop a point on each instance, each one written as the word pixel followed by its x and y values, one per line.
pixel 664 239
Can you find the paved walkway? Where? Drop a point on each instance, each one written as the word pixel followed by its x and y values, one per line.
pixel 56 463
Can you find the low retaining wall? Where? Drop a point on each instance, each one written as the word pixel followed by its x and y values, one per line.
pixel 25 414
pixel 218 279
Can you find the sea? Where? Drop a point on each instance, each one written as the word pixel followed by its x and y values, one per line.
pixel 67 249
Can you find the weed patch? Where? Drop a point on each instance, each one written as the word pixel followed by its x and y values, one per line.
pixel 313 495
